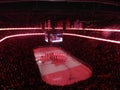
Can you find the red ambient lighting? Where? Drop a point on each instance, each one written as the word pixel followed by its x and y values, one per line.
pixel 69 34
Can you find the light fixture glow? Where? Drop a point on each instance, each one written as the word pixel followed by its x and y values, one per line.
pixel 20 35
pixel 23 28
pixel 92 29
pixel 94 38
pixel 59 28
pixel 69 34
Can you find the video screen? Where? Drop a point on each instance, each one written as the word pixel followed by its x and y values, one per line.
pixel 54 38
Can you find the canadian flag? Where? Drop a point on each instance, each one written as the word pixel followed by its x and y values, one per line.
pixel 59 68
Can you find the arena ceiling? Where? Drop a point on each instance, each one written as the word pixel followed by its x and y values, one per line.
pixel 32 12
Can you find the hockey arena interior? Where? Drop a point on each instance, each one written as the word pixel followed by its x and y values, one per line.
pixel 59 44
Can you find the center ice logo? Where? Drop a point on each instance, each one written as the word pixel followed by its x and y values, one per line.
pixel 56 58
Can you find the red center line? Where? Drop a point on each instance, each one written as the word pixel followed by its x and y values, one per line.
pixel 69 34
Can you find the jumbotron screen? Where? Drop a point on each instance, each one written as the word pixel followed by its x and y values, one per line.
pixel 54 38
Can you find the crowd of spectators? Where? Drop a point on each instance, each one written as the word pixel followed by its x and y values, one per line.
pixel 18 69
